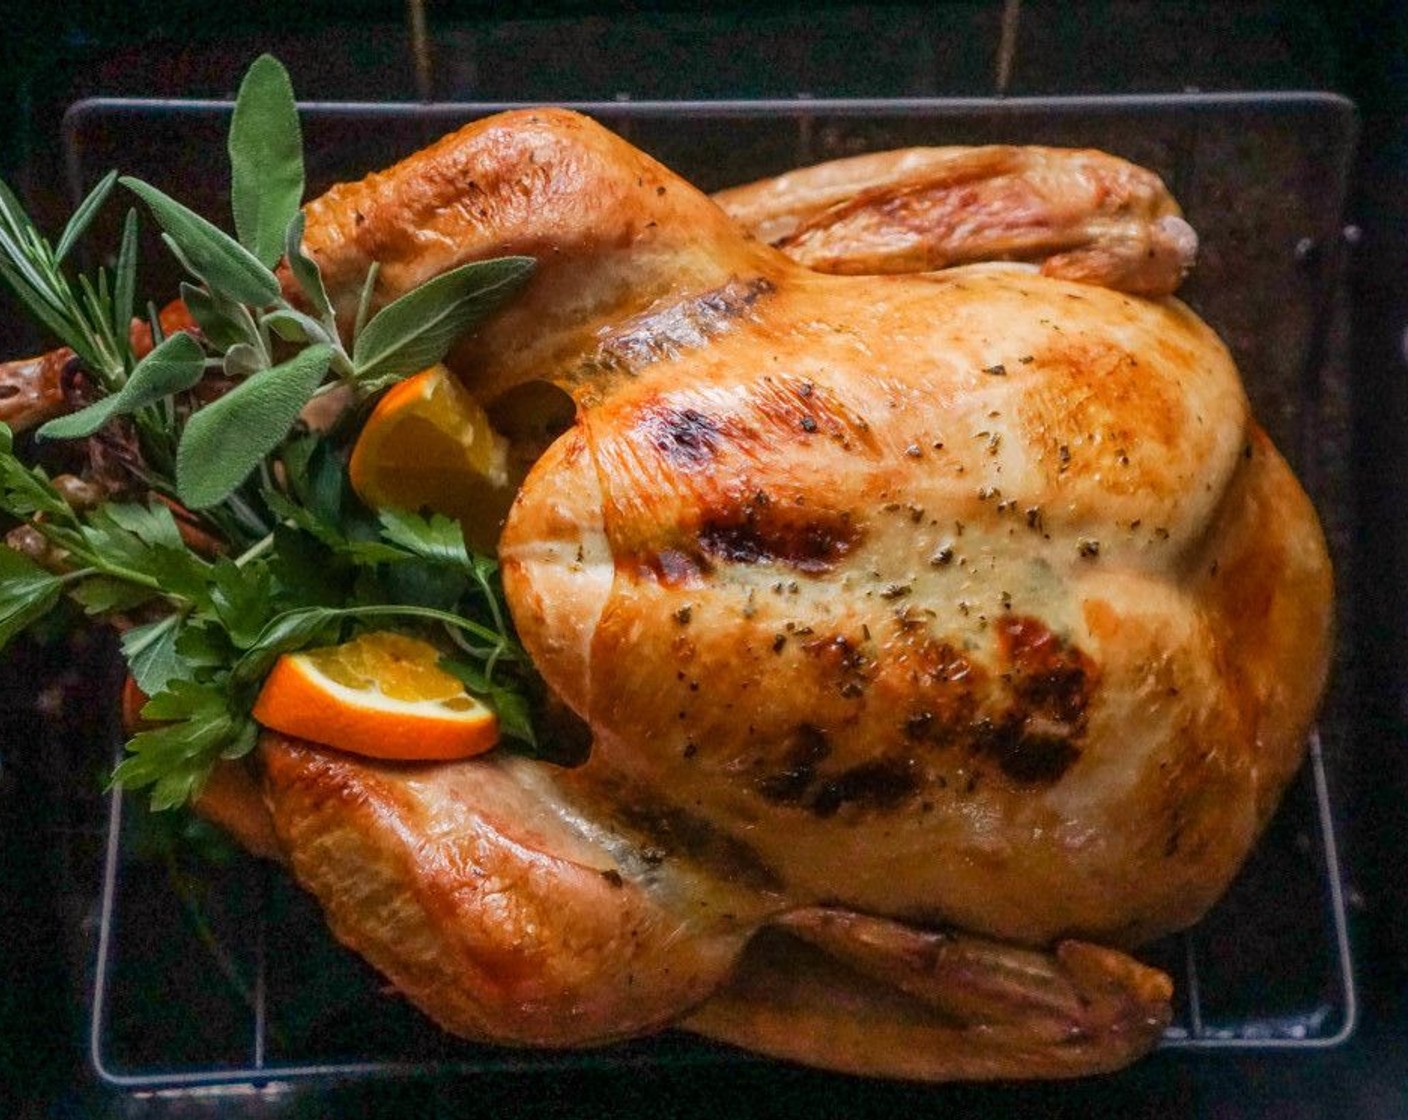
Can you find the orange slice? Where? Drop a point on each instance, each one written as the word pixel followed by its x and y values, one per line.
pixel 428 444
pixel 382 695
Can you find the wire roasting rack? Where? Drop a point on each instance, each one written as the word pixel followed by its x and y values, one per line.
pixel 217 970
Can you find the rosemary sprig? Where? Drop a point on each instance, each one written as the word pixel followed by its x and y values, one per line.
pixel 92 321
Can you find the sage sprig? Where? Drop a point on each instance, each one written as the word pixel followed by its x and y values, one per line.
pixel 227 439
pixel 246 315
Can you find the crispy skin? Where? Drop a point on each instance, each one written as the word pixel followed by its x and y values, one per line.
pixel 490 903
pixel 1047 639
pixel 494 902
pixel 1084 215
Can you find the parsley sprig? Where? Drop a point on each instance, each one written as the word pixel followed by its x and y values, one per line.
pixel 301 561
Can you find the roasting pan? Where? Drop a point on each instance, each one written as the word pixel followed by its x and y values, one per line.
pixel 211 968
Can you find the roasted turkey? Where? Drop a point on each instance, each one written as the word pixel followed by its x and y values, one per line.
pixel 941 635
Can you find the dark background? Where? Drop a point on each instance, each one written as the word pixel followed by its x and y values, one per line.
pixel 50 837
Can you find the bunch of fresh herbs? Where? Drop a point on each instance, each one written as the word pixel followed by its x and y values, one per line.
pixel 298 561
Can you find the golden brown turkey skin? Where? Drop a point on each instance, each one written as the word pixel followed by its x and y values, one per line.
pixel 491 903
pixel 511 908
pixel 857 994
pixel 981 586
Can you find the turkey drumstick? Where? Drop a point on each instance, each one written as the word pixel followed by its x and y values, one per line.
pixel 1082 215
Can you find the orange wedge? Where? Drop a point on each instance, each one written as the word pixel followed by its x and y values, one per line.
pixel 428 444
pixel 383 695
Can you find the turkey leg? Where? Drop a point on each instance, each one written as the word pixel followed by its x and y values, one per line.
pixel 1083 215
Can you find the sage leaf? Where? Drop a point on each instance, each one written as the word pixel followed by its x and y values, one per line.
pixel 124 296
pixel 219 319
pixel 305 270
pixel 214 255
pixel 266 159
pixel 174 366
pixel 418 329
pixel 294 326
pixel 27 593
pixel 150 652
pixel 224 441
pixel 243 361
pixel 84 215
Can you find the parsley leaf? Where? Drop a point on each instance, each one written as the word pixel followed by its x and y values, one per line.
pixel 27 593
pixel 196 725
pixel 151 654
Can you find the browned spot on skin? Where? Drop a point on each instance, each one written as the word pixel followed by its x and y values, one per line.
pixel 1018 722
pixel 1027 718
pixel 669 567
pixel 1049 676
pixel 683 326
pixel 1027 755
pixel 759 531
pixel 756 532
pixel 685 437
pixel 675 833
pixel 808 749
pixel 1035 741
pixel 879 784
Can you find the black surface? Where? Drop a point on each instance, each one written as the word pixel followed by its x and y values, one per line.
pixel 48 843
